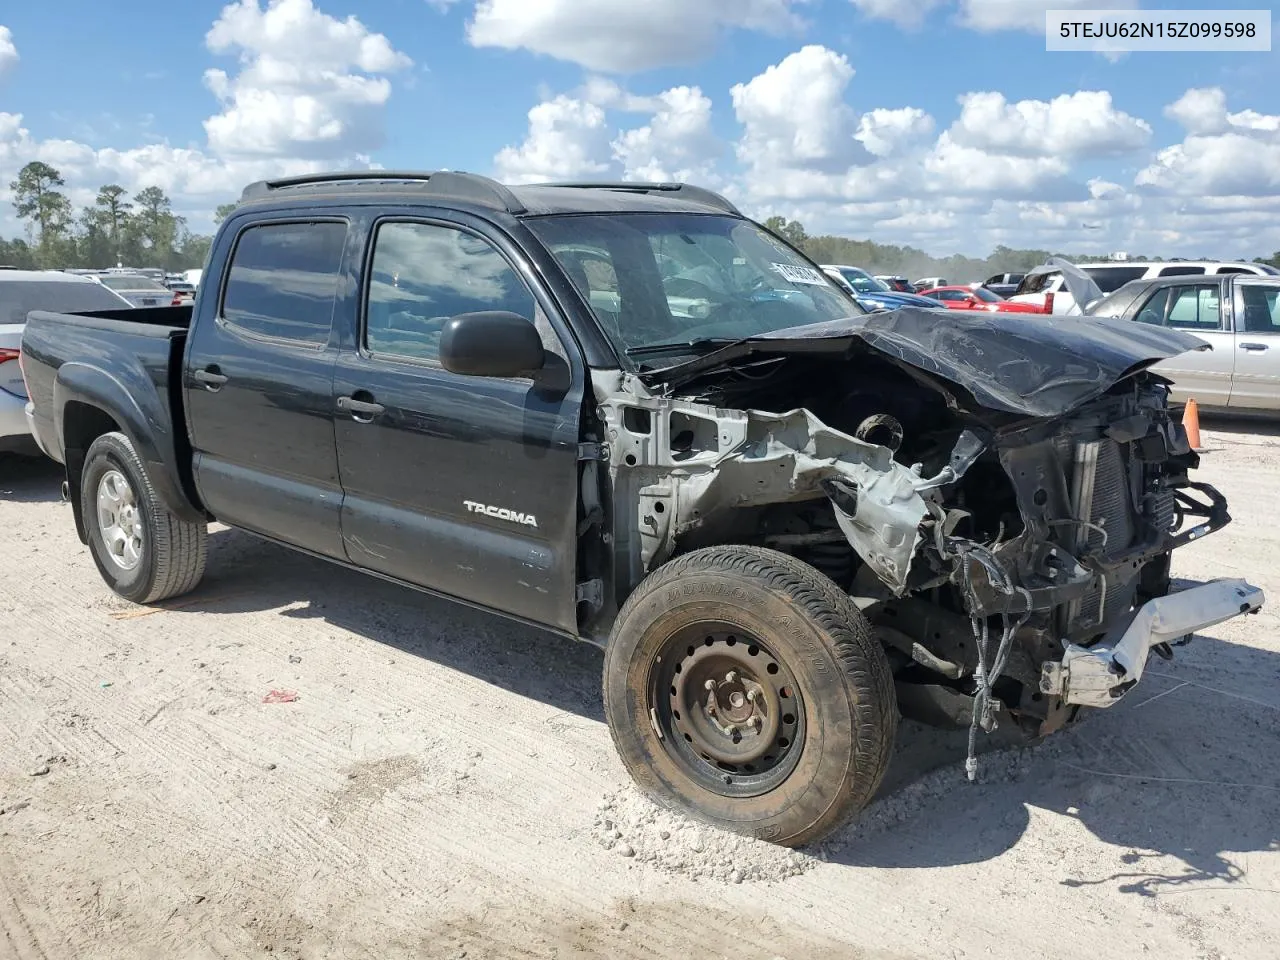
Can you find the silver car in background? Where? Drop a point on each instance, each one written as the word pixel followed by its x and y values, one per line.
pixel 138 290
pixel 1237 315
pixel 22 291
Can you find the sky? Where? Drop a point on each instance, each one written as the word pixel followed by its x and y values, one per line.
pixel 943 124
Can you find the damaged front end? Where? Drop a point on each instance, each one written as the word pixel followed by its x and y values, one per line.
pixel 1006 526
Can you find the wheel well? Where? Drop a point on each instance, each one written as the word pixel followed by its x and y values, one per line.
pixel 82 423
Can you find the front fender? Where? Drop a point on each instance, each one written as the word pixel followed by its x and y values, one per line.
pixel 141 414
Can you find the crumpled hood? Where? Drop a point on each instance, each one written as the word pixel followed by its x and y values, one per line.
pixel 1040 366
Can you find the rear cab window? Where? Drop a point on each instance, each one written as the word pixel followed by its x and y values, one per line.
pixel 283 281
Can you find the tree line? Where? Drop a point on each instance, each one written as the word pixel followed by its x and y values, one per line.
pixel 889 260
pixel 116 229
pixel 143 231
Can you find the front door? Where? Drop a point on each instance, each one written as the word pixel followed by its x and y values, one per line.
pixel 1202 375
pixel 259 387
pixel 465 485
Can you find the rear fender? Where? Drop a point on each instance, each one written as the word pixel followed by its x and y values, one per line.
pixel 89 402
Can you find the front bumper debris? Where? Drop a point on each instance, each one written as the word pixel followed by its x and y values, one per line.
pixel 1100 675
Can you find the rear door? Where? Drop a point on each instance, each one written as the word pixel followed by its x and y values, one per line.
pixel 259 385
pixel 1204 375
pixel 1256 385
pixel 464 485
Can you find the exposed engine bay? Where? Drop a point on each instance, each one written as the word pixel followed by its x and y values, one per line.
pixel 1003 514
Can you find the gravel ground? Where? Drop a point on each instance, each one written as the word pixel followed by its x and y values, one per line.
pixel 297 761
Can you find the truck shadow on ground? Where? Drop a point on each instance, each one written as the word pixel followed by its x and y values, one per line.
pixel 30 479
pixel 248 574
pixel 1182 780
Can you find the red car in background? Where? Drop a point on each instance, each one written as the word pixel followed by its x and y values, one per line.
pixel 978 298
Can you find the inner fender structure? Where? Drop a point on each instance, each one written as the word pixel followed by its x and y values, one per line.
pixel 694 461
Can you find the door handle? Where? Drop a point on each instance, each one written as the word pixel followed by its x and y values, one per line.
pixel 361 410
pixel 1253 347
pixel 211 377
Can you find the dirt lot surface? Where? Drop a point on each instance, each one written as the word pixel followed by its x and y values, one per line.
pixel 444 785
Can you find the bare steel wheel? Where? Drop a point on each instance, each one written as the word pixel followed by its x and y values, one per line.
pixel 120 521
pixel 743 687
pixel 733 709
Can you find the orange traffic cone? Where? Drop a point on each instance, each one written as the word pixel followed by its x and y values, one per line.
pixel 1191 423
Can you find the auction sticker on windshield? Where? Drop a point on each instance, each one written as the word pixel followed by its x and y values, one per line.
pixel 798 274
pixel 1121 31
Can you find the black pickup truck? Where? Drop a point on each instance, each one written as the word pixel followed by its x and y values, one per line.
pixel 630 415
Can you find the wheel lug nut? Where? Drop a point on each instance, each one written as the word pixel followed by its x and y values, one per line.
pixel 751 695
pixel 710 685
pixel 731 676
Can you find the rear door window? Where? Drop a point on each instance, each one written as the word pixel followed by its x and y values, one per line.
pixel 1181 271
pixel 1196 308
pixel 284 280
pixel 1260 308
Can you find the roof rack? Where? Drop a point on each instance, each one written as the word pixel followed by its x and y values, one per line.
pixel 457 185
pixel 707 198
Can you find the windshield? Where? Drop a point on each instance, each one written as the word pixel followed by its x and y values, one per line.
pixel 129 282
pixel 669 278
pixel 863 282
pixel 20 297
pixel 982 293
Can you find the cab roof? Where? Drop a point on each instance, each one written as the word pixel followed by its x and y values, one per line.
pixel 472 189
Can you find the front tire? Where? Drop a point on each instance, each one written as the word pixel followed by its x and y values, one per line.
pixel 144 552
pixel 743 688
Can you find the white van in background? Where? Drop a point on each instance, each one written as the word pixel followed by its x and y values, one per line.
pixel 1044 286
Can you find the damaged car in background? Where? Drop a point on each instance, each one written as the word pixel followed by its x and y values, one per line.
pixel 630 415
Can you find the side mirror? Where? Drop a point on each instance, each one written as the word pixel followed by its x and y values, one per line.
pixel 493 343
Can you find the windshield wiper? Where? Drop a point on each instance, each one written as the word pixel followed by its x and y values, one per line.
pixel 687 348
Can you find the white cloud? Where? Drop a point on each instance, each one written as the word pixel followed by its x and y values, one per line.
pixel 795 117
pixel 8 52
pixel 957 168
pixel 309 85
pixel 1200 110
pixel 1222 165
pixel 884 132
pixel 992 15
pixel 623 36
pixel 570 136
pixel 1082 124
pixel 987 16
pixel 676 144
pixel 567 139
pixel 905 13
pixel 1223 154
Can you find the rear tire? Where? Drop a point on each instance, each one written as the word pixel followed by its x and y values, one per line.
pixel 743 688
pixel 144 552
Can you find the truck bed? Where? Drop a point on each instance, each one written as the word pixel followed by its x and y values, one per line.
pixel 128 362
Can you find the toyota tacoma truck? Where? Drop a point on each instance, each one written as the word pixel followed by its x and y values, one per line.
pixel 630 415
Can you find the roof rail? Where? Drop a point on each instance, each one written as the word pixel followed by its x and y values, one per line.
pixel 707 198
pixel 461 186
